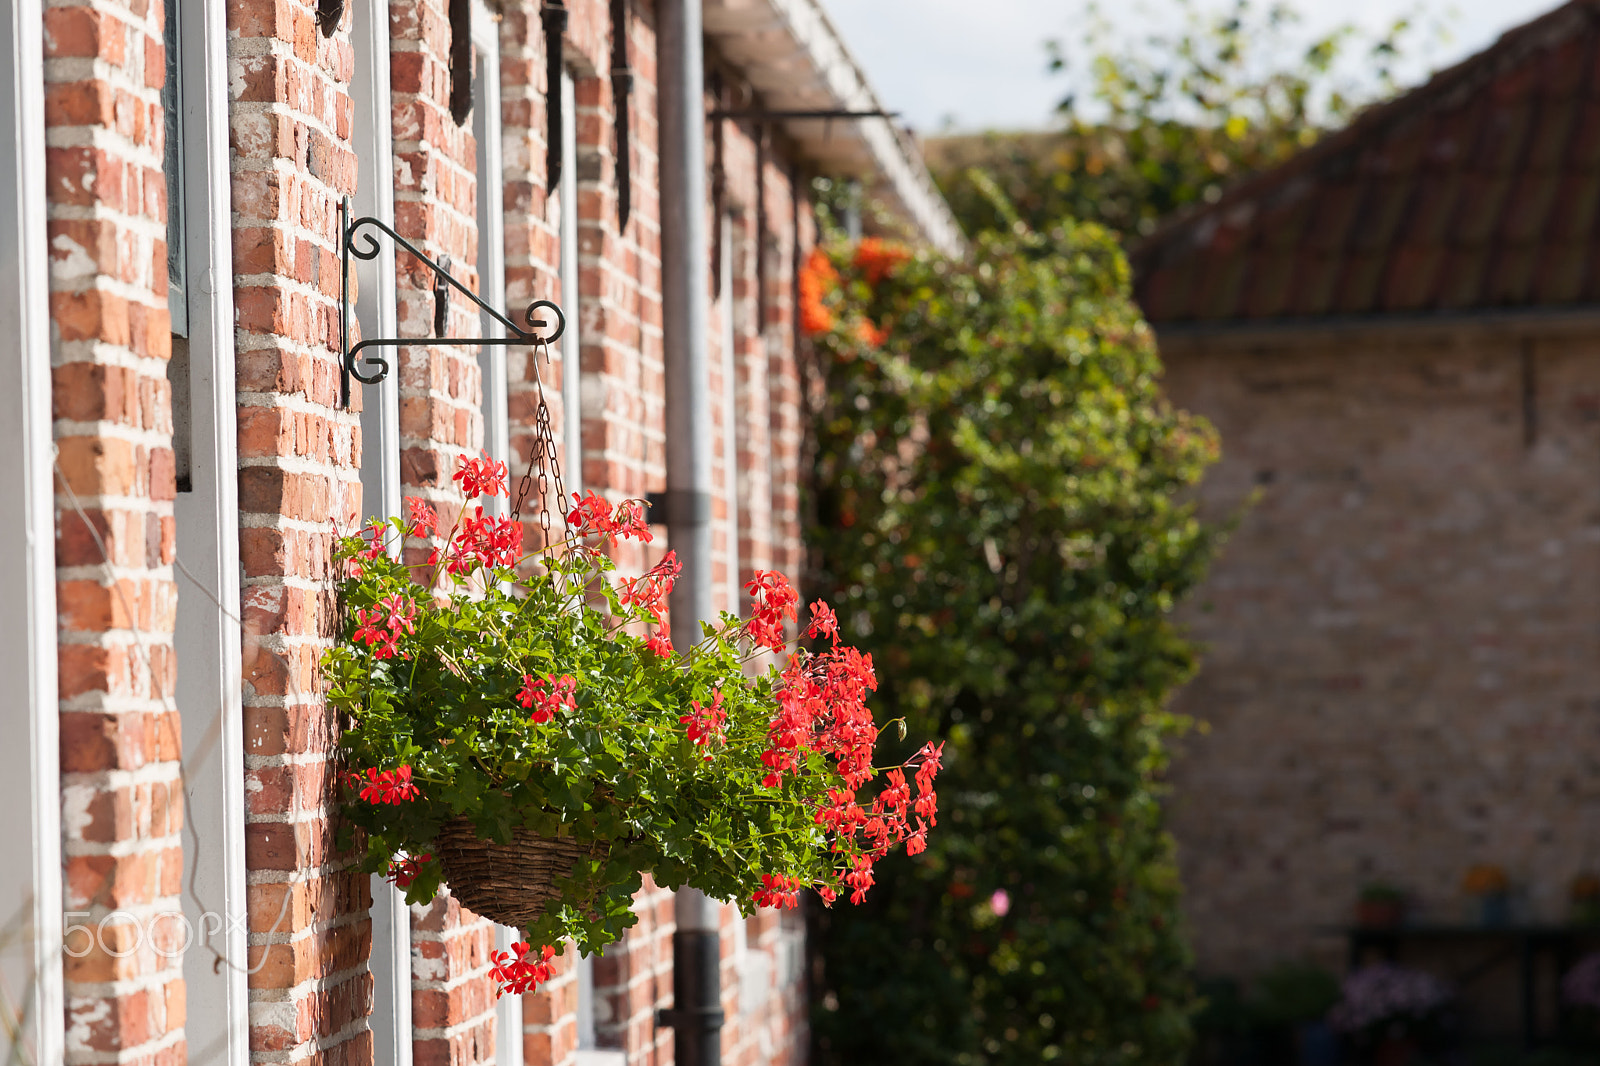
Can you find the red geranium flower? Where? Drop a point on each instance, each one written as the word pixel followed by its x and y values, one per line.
pixel 515 972
pixel 388 786
pixel 823 622
pixel 776 600
pixel 404 871
pixel 651 590
pixel 481 477
pixel 546 703
pixel 592 515
pixel 423 518
pixel 778 890
pixel 706 723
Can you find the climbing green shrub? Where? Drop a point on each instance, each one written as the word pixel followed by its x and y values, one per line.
pixel 1001 514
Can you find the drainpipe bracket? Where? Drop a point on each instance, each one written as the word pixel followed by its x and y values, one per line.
pixel 708 1018
pixel 679 507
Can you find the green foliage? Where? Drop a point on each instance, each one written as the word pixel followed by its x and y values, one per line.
pixel 1294 992
pixel 448 686
pixel 1001 518
pixel 1382 892
pixel 1173 118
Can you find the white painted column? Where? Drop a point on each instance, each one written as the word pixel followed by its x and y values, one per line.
pixel 30 789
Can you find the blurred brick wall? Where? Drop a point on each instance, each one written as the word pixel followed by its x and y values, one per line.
pixel 1399 641
pixel 763 988
pixel 121 796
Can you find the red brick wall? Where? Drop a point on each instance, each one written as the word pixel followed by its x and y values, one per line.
pixel 620 275
pixel 532 240
pixel 299 454
pixel 633 980
pixel 550 1020
pixel 290 122
pixel 435 208
pixel 121 799
pixel 452 999
pixel 441 421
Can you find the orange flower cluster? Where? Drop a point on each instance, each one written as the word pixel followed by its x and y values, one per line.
pixel 876 258
pixel 817 279
pixel 870 335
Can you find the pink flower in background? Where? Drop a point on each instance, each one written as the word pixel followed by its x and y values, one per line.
pixel 1000 902
pixel 1385 993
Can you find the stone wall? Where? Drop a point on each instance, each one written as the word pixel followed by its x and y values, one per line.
pixel 1401 673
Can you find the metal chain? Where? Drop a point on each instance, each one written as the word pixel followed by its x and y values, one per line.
pixel 544 465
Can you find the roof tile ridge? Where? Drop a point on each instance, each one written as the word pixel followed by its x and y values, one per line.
pixel 1510 47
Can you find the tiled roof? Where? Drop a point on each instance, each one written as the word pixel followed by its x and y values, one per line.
pixel 1477 191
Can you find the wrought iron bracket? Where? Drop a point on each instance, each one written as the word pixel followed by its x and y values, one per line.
pixel 357 239
pixel 621 90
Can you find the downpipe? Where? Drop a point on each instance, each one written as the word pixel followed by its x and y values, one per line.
pixel 696 1015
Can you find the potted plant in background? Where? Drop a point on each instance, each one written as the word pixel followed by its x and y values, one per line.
pixel 1584 895
pixel 1393 1016
pixel 522 729
pixel 1380 906
pixel 1490 891
pixel 1293 999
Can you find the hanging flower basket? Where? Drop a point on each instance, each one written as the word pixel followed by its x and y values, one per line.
pixel 521 729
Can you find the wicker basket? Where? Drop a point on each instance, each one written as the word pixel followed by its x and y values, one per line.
pixel 507 883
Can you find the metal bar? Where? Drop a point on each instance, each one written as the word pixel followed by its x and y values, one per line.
pixel 369 251
pixel 759 114
pixel 621 91
pixel 403 342
pixel 1527 961
pixel 761 228
pixel 719 187
pixel 553 16
pixel 344 298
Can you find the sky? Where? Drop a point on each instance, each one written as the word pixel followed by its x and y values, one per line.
pixel 958 64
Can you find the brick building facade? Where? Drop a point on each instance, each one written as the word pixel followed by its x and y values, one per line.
pixel 172 276
pixel 1396 335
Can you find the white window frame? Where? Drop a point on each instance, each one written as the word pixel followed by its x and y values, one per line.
pixel 377 310
pixel 588 1052
pixel 486 130
pixel 30 786
pixel 569 273
pixel 209 686
pixel 730 406
pixel 571 293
